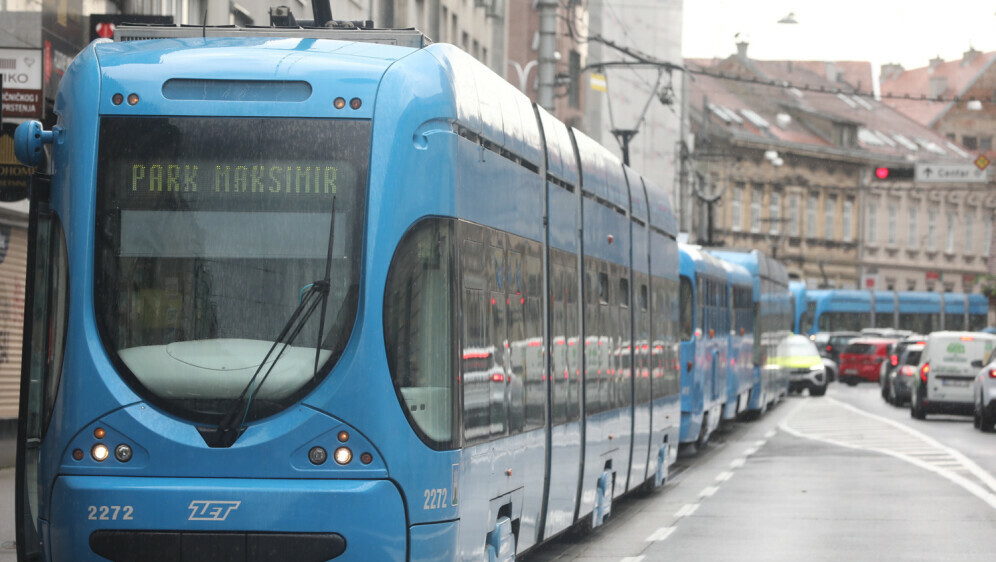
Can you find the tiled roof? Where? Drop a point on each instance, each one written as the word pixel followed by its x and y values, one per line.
pixel 786 96
pixel 958 76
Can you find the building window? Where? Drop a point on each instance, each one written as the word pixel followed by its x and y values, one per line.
pixel 775 212
pixel 971 143
pixel 987 239
pixel 893 211
pixel 755 208
pixel 828 215
pixel 811 204
pixel 969 232
pixel 573 87
pixel 949 245
pixel 793 214
pixel 932 229
pixel 910 285
pixel 951 136
pixel 914 211
pixel 846 218
pixel 986 143
pixel 735 207
pixel 871 235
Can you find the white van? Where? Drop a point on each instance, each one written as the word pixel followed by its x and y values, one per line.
pixel 948 365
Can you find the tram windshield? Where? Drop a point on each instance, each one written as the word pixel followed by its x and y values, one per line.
pixel 209 232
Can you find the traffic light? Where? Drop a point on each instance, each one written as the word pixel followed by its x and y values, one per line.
pixel 886 173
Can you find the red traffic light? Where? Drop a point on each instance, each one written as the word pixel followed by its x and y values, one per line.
pixel 881 173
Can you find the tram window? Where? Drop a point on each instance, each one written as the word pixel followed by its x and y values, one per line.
pixel 477 359
pixel 559 344
pixel 574 346
pixel 603 288
pixel 497 374
pixel 686 301
pixel 624 292
pixel 49 306
pixel 643 297
pixel 419 330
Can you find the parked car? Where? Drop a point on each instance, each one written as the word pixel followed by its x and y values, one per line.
pixel 862 359
pixel 798 357
pixel 984 391
pixel 900 381
pixel 892 364
pixel 948 366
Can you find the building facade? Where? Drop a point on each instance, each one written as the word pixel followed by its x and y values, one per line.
pixel 786 154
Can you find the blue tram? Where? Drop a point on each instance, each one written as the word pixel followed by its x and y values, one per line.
pixel 772 320
pixel 705 336
pixel 828 310
pixel 740 354
pixel 293 290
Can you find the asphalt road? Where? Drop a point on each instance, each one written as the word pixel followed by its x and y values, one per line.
pixel 843 477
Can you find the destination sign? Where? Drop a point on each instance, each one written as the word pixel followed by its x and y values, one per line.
pixel 233 177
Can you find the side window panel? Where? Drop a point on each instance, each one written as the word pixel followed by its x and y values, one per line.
pixel 687 303
pixel 418 330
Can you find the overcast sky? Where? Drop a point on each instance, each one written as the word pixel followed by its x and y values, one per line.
pixel 909 32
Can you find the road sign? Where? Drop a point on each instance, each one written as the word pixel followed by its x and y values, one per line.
pixel 21 70
pixel 981 162
pixel 949 173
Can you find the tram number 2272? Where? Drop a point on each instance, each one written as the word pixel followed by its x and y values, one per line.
pixel 110 512
pixel 435 498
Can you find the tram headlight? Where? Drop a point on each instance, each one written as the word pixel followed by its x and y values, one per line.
pixel 339 103
pixel 99 452
pixel 317 455
pixel 343 455
pixel 355 103
pixel 123 453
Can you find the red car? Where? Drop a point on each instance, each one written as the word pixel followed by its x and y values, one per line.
pixel 862 358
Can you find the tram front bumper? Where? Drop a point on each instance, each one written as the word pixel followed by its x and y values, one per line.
pixel 210 519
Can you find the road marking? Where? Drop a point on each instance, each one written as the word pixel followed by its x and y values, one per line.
pixel 771 434
pixel 708 491
pixel 661 534
pixel 632 559
pixel 724 476
pixel 761 443
pixel 834 422
pixel 750 451
pixel 737 463
pixel 686 510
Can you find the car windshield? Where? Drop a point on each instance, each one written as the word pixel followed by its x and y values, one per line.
pixel 797 347
pixel 209 233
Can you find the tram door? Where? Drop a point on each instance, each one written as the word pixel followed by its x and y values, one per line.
pixel 46 302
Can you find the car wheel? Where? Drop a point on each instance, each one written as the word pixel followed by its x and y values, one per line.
pixel 852 381
pixel 885 393
pixel 818 390
pixel 916 411
pixel 987 420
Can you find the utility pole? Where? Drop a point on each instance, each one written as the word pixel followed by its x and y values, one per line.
pixel 547 48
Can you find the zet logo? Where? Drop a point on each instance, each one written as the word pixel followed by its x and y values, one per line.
pixel 205 510
pixel 956 348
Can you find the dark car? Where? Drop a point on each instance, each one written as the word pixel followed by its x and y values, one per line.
pixel 900 382
pixel 892 364
pixel 837 342
pixel 862 359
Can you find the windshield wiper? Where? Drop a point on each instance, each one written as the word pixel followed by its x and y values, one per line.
pixel 233 424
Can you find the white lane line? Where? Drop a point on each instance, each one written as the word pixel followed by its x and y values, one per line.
pixel 749 452
pixel 737 463
pixel 724 476
pixel 686 510
pixel 771 434
pixel 708 491
pixel 661 534
pixel 973 488
pixel 761 443
pixel 632 559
